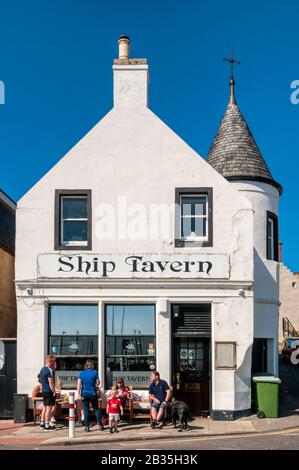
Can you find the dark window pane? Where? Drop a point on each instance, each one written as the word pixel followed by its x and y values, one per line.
pixel 73 345
pixel 269 228
pixel 193 205
pixel 270 239
pixel 194 226
pixel 199 353
pixel 73 320
pixel 74 208
pixel 200 206
pixel 186 206
pixel 131 363
pixel 199 366
pixel 130 320
pixel 130 346
pixel 200 227
pixel 186 227
pixel 74 231
pixel 268 248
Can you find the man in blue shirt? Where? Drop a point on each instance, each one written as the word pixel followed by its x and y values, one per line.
pixel 87 385
pixel 159 394
pixel 48 389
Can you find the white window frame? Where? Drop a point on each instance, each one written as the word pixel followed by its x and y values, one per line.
pixel 270 238
pixel 62 220
pixel 195 238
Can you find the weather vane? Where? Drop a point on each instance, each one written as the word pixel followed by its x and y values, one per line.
pixel 232 61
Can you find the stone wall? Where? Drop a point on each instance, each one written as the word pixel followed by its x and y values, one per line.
pixel 289 298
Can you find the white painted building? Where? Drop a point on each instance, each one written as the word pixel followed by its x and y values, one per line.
pixel 135 251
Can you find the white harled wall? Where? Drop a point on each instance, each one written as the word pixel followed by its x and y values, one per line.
pixel 132 153
pixel 264 197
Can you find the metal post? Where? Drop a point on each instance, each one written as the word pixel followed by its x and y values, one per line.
pixel 72 414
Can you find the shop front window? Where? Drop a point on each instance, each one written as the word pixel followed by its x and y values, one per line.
pixel 130 344
pixel 73 338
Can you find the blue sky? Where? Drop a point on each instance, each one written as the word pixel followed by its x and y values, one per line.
pixel 56 57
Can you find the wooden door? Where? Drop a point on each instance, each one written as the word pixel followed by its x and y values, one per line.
pixel 191 357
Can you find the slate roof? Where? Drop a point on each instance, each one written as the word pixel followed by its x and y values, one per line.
pixel 234 152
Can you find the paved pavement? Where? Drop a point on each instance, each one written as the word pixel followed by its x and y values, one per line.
pixel 28 435
pixel 11 434
pixel 279 440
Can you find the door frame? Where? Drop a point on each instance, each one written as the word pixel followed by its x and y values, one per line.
pixel 209 338
pixel 9 378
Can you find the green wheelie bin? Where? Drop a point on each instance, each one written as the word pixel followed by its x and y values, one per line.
pixel 267 396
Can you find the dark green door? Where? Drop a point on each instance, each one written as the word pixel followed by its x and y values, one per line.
pixel 191 373
pixel 191 331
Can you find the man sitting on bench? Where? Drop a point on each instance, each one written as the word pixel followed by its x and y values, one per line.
pixel 159 394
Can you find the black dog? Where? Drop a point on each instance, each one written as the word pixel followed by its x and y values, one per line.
pixel 179 411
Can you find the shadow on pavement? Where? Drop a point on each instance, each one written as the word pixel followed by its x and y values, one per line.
pixel 289 389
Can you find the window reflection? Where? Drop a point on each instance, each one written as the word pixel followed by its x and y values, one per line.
pixel 130 319
pixel 74 319
pixel 130 343
pixel 73 338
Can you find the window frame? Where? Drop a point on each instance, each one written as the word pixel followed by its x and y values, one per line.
pixel 206 217
pixel 270 216
pixel 105 333
pixel 196 241
pixel 270 238
pixel 76 193
pixel 69 219
pixel 218 365
pixel 94 357
pixel 58 304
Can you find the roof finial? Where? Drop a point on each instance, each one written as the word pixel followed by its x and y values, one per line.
pixel 232 61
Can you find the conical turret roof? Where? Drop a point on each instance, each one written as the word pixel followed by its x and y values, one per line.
pixel 234 152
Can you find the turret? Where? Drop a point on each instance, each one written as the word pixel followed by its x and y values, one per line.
pixel 236 156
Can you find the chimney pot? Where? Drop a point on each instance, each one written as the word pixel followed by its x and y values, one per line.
pixel 280 252
pixel 124 47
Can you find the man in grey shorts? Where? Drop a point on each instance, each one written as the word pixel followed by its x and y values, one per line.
pixel 159 394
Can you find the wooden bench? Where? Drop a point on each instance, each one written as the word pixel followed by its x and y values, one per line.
pixel 60 404
pixel 142 414
pixel 36 412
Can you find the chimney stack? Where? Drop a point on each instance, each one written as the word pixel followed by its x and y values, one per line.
pixel 130 87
